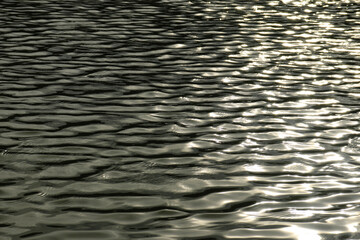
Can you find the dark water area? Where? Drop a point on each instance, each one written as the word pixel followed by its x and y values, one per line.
pixel 175 119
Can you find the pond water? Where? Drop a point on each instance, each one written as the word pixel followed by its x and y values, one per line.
pixel 176 119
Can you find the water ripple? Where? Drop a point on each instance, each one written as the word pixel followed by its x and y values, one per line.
pixel 179 119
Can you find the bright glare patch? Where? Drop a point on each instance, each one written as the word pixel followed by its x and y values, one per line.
pixel 226 80
pixel 239 8
pixel 179 45
pixel 303 233
pixel 326 25
pixel 289 32
pixel 325 16
pixel 353 227
pixel 306 92
pixel 255 168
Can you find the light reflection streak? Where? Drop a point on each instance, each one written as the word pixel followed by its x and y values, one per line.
pixel 322 157
pixel 297 167
pixel 304 232
pixel 255 168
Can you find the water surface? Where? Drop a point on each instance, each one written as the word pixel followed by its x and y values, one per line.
pixel 231 119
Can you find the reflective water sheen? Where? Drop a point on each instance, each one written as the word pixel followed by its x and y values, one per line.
pixel 176 119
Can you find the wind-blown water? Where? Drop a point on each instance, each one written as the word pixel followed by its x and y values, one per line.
pixel 231 119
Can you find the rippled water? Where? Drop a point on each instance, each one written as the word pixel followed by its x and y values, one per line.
pixel 175 119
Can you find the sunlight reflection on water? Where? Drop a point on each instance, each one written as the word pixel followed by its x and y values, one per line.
pixel 180 119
